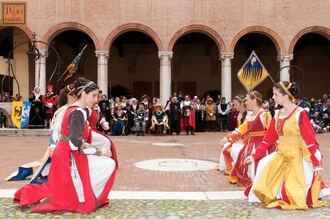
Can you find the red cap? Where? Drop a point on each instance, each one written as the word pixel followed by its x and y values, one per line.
pixel 50 86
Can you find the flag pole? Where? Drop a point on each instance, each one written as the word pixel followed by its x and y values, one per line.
pixel 72 66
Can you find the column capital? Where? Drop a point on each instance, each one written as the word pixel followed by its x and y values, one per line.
pixel 287 57
pixel 104 53
pixel 43 52
pixel 224 55
pixel 165 53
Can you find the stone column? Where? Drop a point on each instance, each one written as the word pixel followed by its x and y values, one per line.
pixel 165 76
pixel 102 70
pixel 226 75
pixel 285 61
pixel 40 71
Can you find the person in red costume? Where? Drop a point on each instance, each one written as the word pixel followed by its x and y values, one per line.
pixel 187 122
pixel 49 100
pixel 291 177
pixel 251 131
pixel 78 180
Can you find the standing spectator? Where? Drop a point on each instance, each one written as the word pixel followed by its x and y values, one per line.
pixel 187 116
pixel 223 110
pixel 180 97
pixel 104 106
pixel 232 117
pixel 2 119
pixel 174 116
pixel 209 112
pixel 305 105
pixel 37 117
pixel 271 106
pixel 50 103
pixel 198 107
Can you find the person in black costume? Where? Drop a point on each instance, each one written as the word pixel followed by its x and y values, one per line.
pixel 37 113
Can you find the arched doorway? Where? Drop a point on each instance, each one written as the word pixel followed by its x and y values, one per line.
pixel 133 66
pixel 267 53
pixel 23 67
pixel 312 54
pixel 196 66
pixel 68 44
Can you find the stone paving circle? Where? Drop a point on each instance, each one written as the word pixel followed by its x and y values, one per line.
pixel 166 144
pixel 176 165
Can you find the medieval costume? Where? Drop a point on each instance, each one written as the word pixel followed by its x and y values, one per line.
pixel 174 116
pixel 77 182
pixel 198 108
pixel 210 114
pixel 232 119
pixel 187 116
pixel 230 151
pixel 104 106
pixel 159 120
pixel 141 117
pixel 251 132
pixel 119 122
pixel 286 177
pixel 37 114
pixel 50 103
pixel 223 110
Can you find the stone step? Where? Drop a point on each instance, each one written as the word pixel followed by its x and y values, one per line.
pixel 24 132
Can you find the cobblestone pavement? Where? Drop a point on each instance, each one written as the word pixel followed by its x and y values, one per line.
pixel 170 209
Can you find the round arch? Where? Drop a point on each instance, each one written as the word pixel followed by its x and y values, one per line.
pixel 324 31
pixel 275 38
pixel 24 28
pixel 199 28
pixel 59 28
pixel 132 27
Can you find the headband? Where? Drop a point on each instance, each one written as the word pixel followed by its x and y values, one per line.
pixel 286 90
pixel 84 87
pixel 70 89
pixel 253 94
pixel 240 99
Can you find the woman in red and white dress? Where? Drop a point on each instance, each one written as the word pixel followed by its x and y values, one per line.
pixel 79 180
pixel 251 132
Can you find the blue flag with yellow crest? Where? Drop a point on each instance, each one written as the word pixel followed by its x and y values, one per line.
pixel 252 72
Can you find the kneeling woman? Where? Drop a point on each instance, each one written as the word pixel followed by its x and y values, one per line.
pixel 76 182
pixel 290 177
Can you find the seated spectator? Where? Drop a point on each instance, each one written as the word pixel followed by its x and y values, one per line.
pixel 141 117
pixel 159 120
pixel 120 120
pixel 317 122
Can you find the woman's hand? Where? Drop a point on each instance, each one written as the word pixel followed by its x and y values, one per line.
pixel 51 151
pixel 318 172
pixel 223 142
pixel 248 160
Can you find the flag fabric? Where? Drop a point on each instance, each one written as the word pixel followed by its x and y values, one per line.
pixel 16 113
pixel 252 72
pixel 72 68
pixel 20 113
pixel 25 113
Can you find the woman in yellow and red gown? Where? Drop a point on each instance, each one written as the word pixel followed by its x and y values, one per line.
pixel 251 132
pixel 289 178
